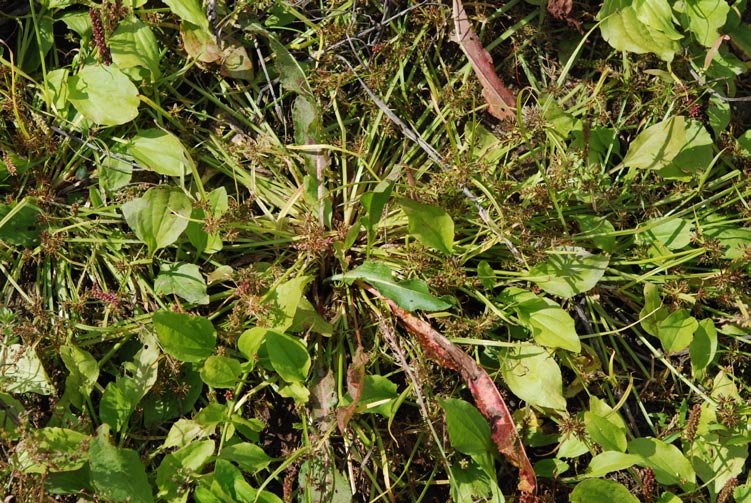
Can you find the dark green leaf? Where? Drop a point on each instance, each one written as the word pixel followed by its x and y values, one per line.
pixel 288 356
pixel 468 430
pixel 184 280
pixel 117 474
pixel 221 371
pixel 185 337
pixel 429 224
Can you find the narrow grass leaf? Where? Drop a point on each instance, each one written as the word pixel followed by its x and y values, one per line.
pixel 569 272
pixel 183 280
pixel 104 95
pixel 429 224
pixel 407 296
pixel 288 356
pixel 185 337
pixel 118 474
pixel 159 217
pixel 160 151
pixel 590 490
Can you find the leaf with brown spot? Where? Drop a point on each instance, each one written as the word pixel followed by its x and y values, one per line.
pixel 500 99
pixel 355 378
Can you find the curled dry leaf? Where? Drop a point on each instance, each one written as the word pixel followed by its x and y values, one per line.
pixel 561 9
pixel 487 398
pixel 355 378
pixel 501 101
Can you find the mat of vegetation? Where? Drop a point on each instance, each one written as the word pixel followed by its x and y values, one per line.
pixel 375 251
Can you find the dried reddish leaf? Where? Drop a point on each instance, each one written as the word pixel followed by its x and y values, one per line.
pixel 487 398
pixel 501 101
pixel 561 9
pixel 355 378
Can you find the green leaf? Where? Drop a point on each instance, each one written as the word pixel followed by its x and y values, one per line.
pixel 159 217
pixel 189 10
pixel 598 230
pixel 203 240
pixel 22 371
pixel 472 482
pixel 486 275
pixel 160 151
pixel 550 325
pixel 184 337
pixel 673 233
pixel 605 433
pixel 52 450
pixel 667 461
pixel 379 276
pixel 249 457
pixel 231 482
pixel 291 75
pixel 533 375
pixel 705 18
pixel 221 371
pixel 283 301
pixel 640 26
pixel 610 461
pixel 171 474
pixel 319 481
pixel 83 368
pixel 117 474
pixel 251 341
pixel 374 202
pixel 468 430
pixel 184 280
pixel 653 311
pixel 591 490
pixel 431 225
pixel 703 346
pixel 376 389
pixel 677 148
pixel 716 460
pixel 676 331
pixel 121 397
pixel 288 356
pixel 114 173
pixel 19 224
pixel 734 238
pixel 570 271
pixel 104 95
pixel 134 45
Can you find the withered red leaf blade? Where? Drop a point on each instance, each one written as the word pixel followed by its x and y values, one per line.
pixel 487 397
pixel 500 99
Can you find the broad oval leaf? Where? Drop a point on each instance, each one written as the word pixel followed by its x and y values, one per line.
pixel 640 27
pixel 283 301
pixel 676 331
pixel 134 44
pixel 117 474
pixel 677 148
pixel 189 10
pixel 673 233
pixel 533 375
pixel 667 461
pixel 183 280
pixel 249 457
pixel 591 490
pixel 160 151
pixel 468 430
pixel 22 371
pixel 159 217
pixel 569 271
pixel 429 224
pixel 408 295
pixel 550 325
pixel 221 371
pixel 104 95
pixel 610 461
pixel 288 356
pixel 703 346
pixel 184 337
